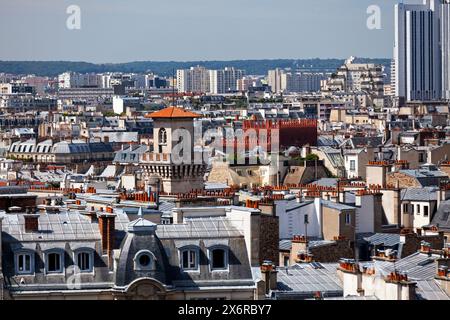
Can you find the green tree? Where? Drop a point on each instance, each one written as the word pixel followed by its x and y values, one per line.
pixel 311 157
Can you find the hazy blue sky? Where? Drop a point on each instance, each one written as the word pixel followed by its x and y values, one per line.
pixel 131 30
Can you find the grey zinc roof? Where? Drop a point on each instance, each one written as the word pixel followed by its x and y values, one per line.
pixel 130 154
pixel 387 239
pixel 335 205
pixel 116 136
pixel 67 147
pixel 13 190
pixel 217 227
pixel 419 194
pixel 166 206
pixel 430 290
pixel 326 182
pixel 329 140
pixel 418 266
pixel 100 147
pixel 64 147
pixel 350 197
pixel 334 155
pixel 58 227
pixel 215 186
pixel 367 141
pixel 52 227
pixel 305 279
pixel 424 173
pixel 137 210
pixel 286 244
pixel 319 243
pixel 141 224
pixel 293 204
pixel 442 216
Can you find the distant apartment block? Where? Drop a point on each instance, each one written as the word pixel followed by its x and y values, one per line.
pixel 69 80
pixel 26 102
pixel 120 104
pixel 286 81
pixel 16 88
pixel 247 82
pixel 353 76
pixel 195 79
pixel 85 93
pixel 224 81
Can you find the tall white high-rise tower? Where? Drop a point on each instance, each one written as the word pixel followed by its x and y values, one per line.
pixel 445 47
pixel 417 51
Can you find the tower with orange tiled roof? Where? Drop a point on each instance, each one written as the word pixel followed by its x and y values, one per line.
pixel 161 166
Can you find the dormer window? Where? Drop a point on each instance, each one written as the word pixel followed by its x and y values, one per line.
pixel 218 258
pixel 24 263
pixel 84 261
pixel 189 259
pixel 54 262
pixel 144 260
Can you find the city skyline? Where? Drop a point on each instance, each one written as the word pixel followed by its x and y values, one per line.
pixel 226 150
pixel 116 33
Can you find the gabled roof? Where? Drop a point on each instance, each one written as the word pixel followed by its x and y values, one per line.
pixel 172 112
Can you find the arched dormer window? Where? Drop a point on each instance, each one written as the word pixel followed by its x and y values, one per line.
pixel 189 258
pixel 162 136
pixel 144 260
pixel 84 259
pixel 24 262
pixel 218 257
pixel 54 261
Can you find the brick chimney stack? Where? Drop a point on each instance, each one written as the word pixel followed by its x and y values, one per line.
pixel 106 224
pixel 31 222
pixel 299 244
pixel 443 270
pixel 425 247
pixel 399 287
pixel 269 273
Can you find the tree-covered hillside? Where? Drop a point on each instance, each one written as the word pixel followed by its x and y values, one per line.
pixel 256 67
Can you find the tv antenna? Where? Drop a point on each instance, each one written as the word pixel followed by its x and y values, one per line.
pixel 173 87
